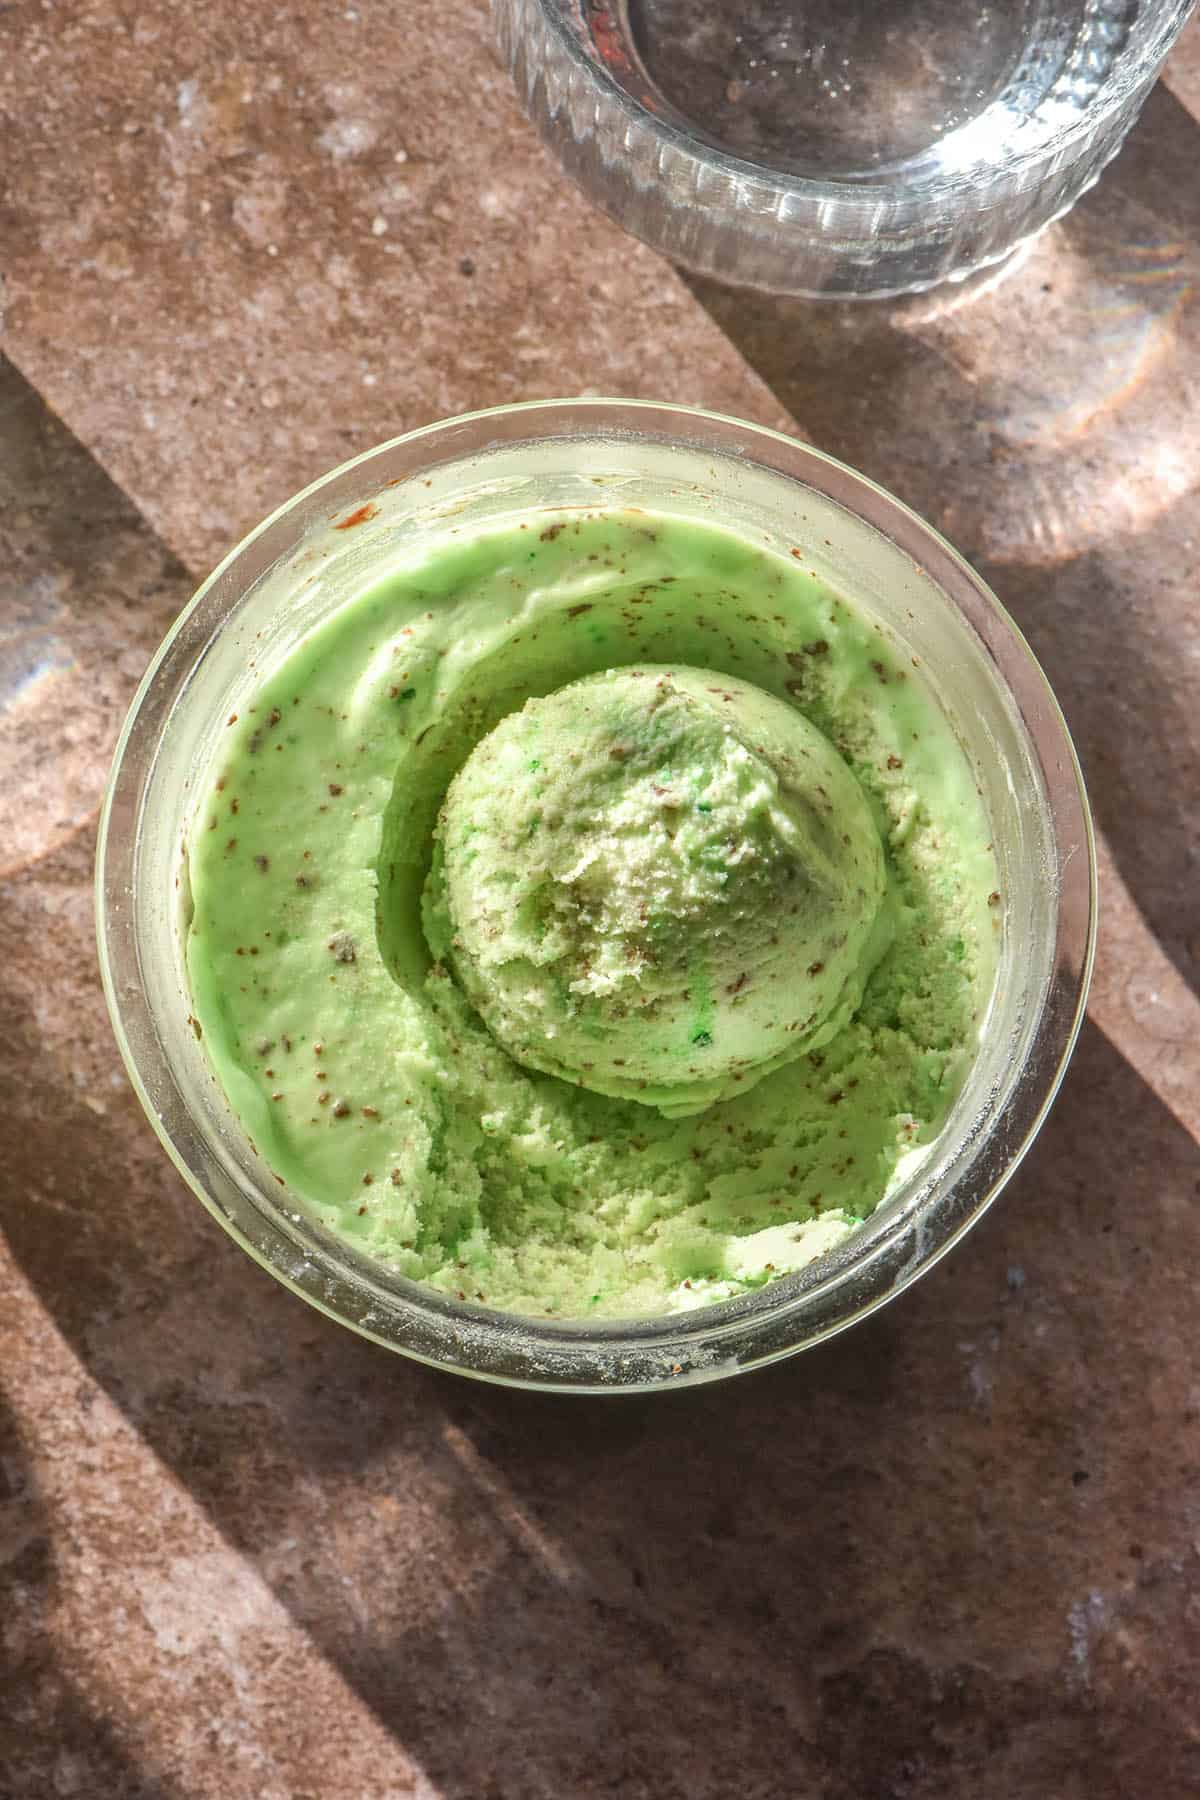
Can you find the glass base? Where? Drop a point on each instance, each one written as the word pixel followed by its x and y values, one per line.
pixel 842 148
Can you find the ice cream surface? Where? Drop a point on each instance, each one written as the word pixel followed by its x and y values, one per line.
pixel 658 885
pixel 590 913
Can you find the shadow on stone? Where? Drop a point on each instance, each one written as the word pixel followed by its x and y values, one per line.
pixel 53 1739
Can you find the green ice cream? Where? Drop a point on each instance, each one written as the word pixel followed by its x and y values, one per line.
pixel 515 1023
pixel 658 884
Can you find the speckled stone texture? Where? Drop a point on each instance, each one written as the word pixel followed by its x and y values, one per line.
pixel 244 1556
pixel 267 240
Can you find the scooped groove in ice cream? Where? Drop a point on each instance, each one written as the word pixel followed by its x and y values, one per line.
pixel 658 884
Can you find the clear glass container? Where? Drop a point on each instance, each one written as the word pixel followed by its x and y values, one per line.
pixel 297 566
pixel 845 148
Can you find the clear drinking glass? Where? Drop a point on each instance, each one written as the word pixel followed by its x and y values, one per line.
pixel 296 567
pixel 848 148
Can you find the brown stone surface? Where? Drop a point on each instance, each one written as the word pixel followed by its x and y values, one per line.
pixel 240 246
pixel 955 1554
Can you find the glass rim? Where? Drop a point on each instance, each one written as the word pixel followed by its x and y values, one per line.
pixel 853 193
pixel 751 1330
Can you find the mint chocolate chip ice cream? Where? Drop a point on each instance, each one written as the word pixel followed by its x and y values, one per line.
pixel 590 916
pixel 658 884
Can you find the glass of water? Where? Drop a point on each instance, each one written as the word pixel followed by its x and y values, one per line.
pixel 836 147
